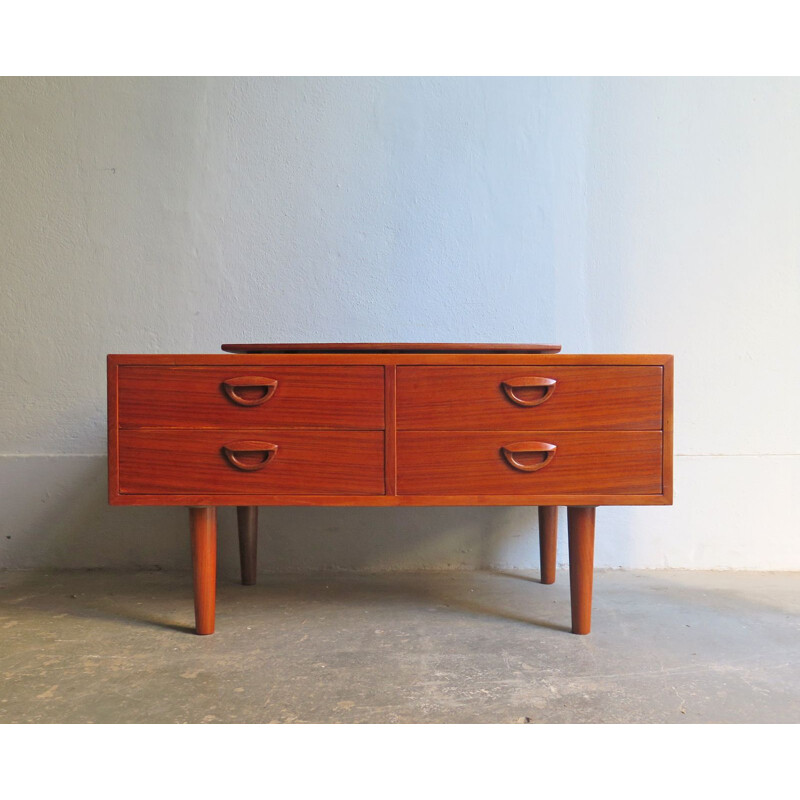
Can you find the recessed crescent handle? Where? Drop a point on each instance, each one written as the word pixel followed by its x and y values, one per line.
pixel 512 388
pixel 269 385
pixel 234 451
pixel 513 452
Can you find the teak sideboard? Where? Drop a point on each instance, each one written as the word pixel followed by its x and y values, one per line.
pixel 390 425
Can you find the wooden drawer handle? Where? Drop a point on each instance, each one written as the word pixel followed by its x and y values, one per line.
pixel 520 384
pixel 269 385
pixel 234 450
pixel 512 451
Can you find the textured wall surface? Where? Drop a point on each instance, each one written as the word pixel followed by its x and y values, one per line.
pixel 627 215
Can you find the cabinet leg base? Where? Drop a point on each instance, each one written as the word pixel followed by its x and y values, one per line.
pixel 203 523
pixel 247 517
pixel 548 536
pixel 581 566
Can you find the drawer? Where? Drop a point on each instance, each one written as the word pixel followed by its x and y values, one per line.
pixel 250 462
pixel 529 463
pixel 529 398
pixel 263 396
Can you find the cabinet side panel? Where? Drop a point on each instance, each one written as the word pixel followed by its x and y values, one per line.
pixel 112 375
pixel 668 413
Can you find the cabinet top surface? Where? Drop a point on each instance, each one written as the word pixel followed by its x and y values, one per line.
pixel 390 347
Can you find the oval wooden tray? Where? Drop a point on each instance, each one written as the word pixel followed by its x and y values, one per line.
pixel 391 347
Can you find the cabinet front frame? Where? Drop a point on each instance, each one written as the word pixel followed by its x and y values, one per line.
pixel 389 362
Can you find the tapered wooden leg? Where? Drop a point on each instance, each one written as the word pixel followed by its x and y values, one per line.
pixel 204 564
pixel 248 543
pixel 581 565
pixel 548 535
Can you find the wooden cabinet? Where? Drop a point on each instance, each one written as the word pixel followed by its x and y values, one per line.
pixel 390 425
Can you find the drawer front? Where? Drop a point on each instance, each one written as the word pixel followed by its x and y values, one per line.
pixel 254 462
pixel 264 396
pixel 529 398
pixel 529 463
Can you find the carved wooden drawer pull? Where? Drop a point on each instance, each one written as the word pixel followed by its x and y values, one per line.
pixel 513 452
pixel 234 451
pixel 513 388
pixel 232 385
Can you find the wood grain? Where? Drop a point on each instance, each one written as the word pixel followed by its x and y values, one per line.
pixel 458 462
pixel 256 363
pixel 473 398
pixel 363 359
pixel 350 425
pixel 192 461
pixel 305 397
pixel 385 500
pixel 390 431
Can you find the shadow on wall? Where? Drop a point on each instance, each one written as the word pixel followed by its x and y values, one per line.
pixel 57 516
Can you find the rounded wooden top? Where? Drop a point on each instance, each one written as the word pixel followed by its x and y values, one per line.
pixel 390 347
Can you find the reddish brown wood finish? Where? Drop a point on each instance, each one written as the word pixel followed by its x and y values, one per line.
pixel 250 390
pixel 529 391
pixel 580 522
pixel 528 456
pixel 610 418
pixel 311 461
pixel 548 537
pixel 390 432
pixel 463 463
pixel 249 455
pixel 113 429
pixel 303 397
pixel 233 364
pixel 469 398
pixel 308 358
pixel 386 501
pixel 203 523
pixel 391 347
pixel 666 488
pixel 247 518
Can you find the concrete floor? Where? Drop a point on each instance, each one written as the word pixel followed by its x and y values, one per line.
pixel 100 646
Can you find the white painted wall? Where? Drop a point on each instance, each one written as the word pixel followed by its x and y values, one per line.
pixel 170 215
